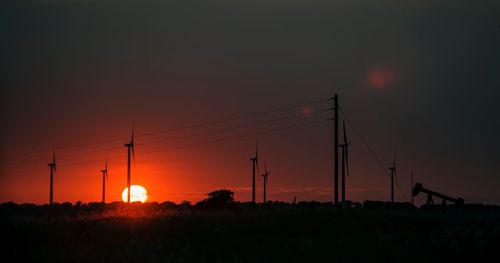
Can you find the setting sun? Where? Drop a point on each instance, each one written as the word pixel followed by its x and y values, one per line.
pixel 138 194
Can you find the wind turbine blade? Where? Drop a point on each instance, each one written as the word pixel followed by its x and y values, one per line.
pixel 106 163
pixel 133 154
pixel 257 165
pixel 347 159
pixel 346 148
pixel 394 163
pixel 133 132
pixel 257 155
pixel 257 150
pixel 54 159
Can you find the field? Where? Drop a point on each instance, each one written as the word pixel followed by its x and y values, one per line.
pixel 270 233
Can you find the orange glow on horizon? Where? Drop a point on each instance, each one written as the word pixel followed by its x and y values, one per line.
pixel 186 174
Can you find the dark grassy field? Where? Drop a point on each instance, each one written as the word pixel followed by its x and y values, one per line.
pixel 148 233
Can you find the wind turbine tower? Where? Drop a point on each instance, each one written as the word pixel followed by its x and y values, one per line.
pixel 393 172
pixel 255 165
pixel 345 163
pixel 104 178
pixel 52 166
pixel 411 173
pixel 336 148
pixel 130 150
pixel 265 175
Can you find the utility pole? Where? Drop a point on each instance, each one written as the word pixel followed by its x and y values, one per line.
pixel 336 146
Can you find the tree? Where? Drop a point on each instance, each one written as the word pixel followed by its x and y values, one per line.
pixel 223 196
pixel 218 199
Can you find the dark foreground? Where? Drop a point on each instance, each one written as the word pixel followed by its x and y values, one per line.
pixel 245 234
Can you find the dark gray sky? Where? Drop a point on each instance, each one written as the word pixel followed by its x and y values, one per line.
pixel 84 70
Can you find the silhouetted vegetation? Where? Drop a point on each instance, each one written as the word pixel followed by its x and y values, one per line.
pixel 219 229
pixel 220 199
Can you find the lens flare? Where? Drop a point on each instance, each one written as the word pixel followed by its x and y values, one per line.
pixel 380 78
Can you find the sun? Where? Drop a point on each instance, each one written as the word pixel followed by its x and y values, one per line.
pixel 138 194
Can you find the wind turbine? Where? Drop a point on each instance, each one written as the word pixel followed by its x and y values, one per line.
pixel 393 172
pixel 255 165
pixel 411 189
pixel 265 175
pixel 52 166
pixel 104 178
pixel 345 163
pixel 130 149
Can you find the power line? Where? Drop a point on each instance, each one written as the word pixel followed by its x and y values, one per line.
pixel 289 117
pixel 61 156
pixel 63 165
pixel 186 146
pixel 244 116
pixel 371 150
pixel 230 128
pixel 238 136
pixel 64 147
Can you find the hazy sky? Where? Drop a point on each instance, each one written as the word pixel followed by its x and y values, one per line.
pixel 419 78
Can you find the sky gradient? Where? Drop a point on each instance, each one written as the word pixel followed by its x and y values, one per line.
pixel 421 79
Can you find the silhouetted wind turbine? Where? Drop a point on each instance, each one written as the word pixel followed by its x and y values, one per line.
pixel 104 178
pixel 265 175
pixel 130 148
pixel 255 165
pixel 345 163
pixel 52 166
pixel 393 172
pixel 411 188
pixel 336 149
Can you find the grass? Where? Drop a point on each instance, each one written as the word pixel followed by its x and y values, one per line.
pixel 278 234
